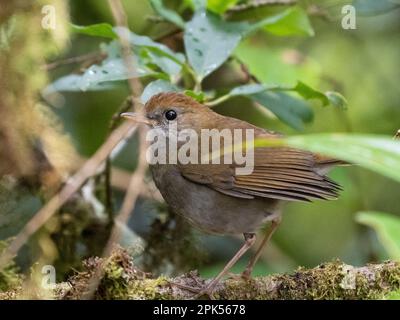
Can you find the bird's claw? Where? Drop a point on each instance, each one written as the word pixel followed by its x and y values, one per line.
pixel 239 277
pixel 199 292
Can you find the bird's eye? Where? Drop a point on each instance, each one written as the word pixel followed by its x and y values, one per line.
pixel 170 115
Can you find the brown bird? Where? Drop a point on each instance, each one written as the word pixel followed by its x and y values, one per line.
pixel 214 198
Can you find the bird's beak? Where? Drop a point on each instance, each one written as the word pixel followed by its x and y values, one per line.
pixel 137 117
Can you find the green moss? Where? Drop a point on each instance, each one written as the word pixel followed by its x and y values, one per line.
pixel 334 280
pixel 393 295
pixel 10 279
pixel 148 289
pixel 120 279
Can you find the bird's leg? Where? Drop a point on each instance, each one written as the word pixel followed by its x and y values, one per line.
pixel 209 289
pixel 249 268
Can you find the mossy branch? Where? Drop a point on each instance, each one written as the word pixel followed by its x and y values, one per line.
pixel 333 280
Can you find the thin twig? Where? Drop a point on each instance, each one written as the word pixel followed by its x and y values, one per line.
pixel 136 89
pixel 137 178
pixel 132 194
pixel 85 57
pixel 115 120
pixel 120 180
pixel 73 185
pixel 121 21
pixel 156 19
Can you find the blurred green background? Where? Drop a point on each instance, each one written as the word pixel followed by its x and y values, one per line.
pixel 362 64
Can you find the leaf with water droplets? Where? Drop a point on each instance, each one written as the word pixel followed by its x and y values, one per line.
pixel 209 41
pixel 73 82
pixel 110 70
pixel 97 77
pixel 144 41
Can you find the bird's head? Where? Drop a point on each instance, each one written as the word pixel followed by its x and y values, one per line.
pixel 168 108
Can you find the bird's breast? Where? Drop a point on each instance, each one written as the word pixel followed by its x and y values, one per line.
pixel 210 210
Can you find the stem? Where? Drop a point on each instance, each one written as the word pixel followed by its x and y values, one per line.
pixel 196 79
pixel 218 100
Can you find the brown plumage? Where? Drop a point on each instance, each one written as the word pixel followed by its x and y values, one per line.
pixel 279 173
pixel 213 198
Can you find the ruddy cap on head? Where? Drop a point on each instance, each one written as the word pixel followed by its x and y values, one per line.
pixel 167 100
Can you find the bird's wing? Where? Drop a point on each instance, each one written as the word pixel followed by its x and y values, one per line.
pixel 279 173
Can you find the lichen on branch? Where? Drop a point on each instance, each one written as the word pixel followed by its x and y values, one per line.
pixel 333 280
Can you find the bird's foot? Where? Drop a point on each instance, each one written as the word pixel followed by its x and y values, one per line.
pixel 240 277
pixel 200 291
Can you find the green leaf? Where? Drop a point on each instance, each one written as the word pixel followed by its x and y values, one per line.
pixel 97 30
pixel 378 153
pixel 209 41
pixel 198 96
pixel 309 93
pixel 301 88
pixel 144 41
pixel 152 52
pixel 293 21
pixel 330 97
pixel 112 70
pixel 394 295
pixel 73 82
pixel 98 77
pixel 160 55
pixel 220 6
pixel 157 86
pixel 148 56
pixel 199 4
pixel 288 109
pixel 106 30
pixel 247 89
pixel 387 227
pixel 374 7
pixel 167 14
pixel 167 65
pixel 336 99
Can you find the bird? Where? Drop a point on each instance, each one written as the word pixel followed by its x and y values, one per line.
pixel 214 198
